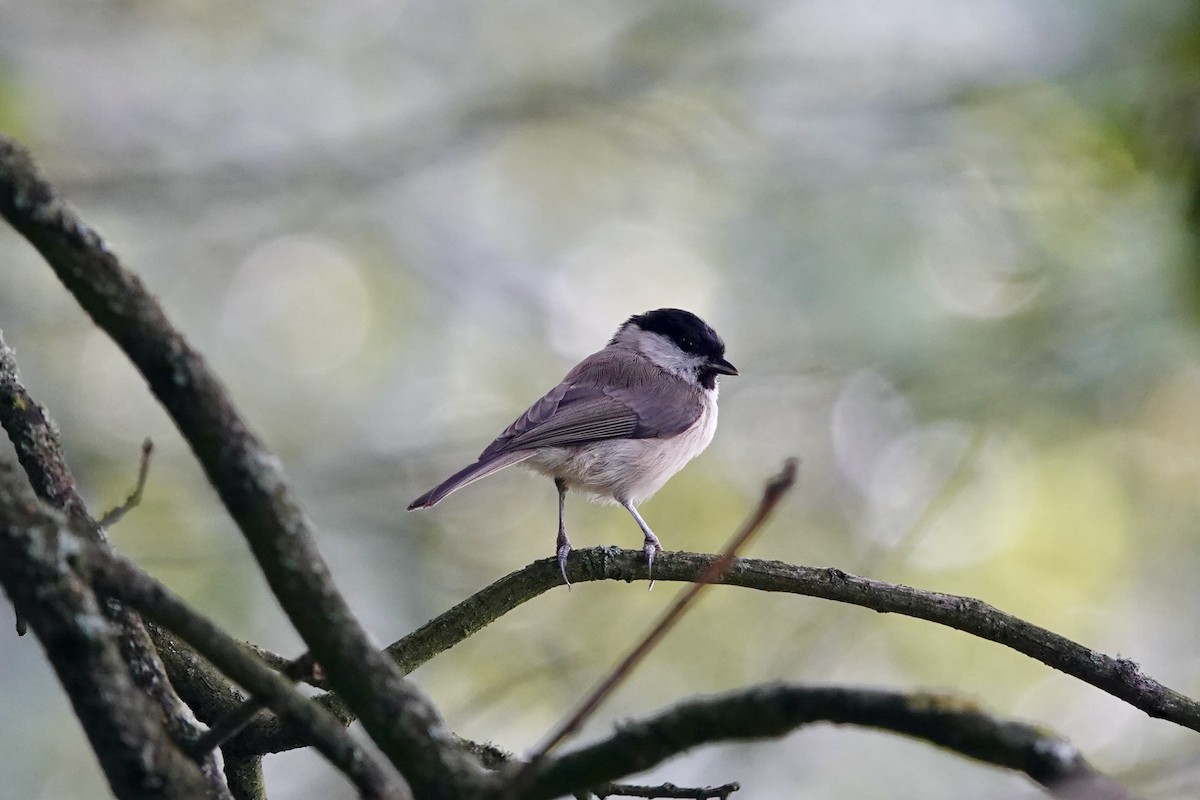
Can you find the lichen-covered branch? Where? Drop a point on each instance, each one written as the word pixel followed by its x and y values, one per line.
pixel 667 790
pixel 247 477
pixel 116 577
pixel 1119 677
pixel 35 440
pixel 1116 676
pixel 138 756
pixel 246 779
pixel 773 711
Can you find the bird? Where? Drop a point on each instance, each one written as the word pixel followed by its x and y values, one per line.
pixel 621 423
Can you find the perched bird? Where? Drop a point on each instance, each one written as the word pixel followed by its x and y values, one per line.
pixel 620 424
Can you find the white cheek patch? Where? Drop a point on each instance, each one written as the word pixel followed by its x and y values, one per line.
pixel 666 354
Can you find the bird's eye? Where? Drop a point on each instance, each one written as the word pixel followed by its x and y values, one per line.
pixel 689 343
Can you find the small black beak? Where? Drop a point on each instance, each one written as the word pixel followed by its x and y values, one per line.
pixel 722 366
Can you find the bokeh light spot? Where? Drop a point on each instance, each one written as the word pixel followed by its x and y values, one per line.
pixel 299 304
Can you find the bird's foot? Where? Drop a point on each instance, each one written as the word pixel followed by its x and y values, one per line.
pixel 564 549
pixel 651 548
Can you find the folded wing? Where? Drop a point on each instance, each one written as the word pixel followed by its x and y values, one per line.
pixel 613 394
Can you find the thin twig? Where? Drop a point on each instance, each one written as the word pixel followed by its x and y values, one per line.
pixel 772 494
pixel 233 723
pixel 114 516
pixel 667 790
pixel 228 726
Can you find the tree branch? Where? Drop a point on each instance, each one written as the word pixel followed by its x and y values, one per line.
pixel 138 756
pixel 1119 677
pixel 246 779
pixel 773 711
pixel 35 440
pixel 117 577
pixel 666 790
pixel 248 478
pixel 201 685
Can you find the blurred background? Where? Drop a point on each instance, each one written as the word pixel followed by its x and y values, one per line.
pixel 951 247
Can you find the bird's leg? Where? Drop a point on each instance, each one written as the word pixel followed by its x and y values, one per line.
pixel 651 546
pixel 562 546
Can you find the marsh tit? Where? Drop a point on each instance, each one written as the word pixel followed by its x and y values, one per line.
pixel 620 424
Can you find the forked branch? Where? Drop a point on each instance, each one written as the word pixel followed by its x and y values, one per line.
pixel 247 476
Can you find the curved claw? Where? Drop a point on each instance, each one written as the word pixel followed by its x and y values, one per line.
pixel 651 545
pixel 650 548
pixel 564 549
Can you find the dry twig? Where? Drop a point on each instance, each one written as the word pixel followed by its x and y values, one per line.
pixel 114 516
pixel 667 790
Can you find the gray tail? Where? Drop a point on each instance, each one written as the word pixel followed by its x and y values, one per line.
pixel 480 469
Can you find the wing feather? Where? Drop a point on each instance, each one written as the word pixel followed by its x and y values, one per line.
pixel 613 394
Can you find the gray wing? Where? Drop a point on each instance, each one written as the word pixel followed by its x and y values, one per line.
pixel 612 394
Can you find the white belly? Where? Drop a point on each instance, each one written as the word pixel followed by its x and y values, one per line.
pixel 632 470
